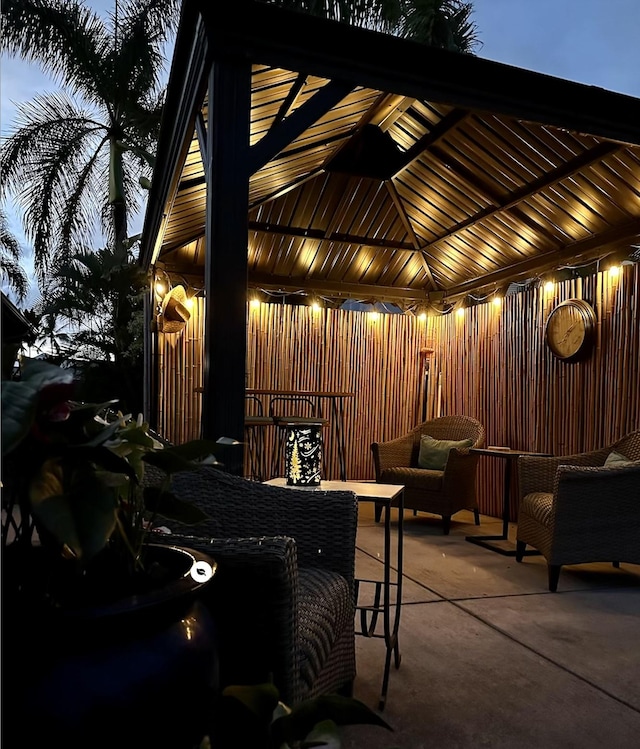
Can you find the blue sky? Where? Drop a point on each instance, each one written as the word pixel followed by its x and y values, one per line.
pixel 588 41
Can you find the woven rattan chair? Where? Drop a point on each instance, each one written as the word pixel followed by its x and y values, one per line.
pixel 575 510
pixel 439 492
pixel 283 592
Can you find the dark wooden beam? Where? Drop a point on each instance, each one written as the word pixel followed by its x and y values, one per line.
pixel 284 133
pixel 322 287
pixel 321 235
pixel 582 250
pixel 564 170
pixel 290 99
pixel 391 188
pixel 223 397
pixel 187 84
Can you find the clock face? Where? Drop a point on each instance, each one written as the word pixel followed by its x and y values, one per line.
pixel 570 328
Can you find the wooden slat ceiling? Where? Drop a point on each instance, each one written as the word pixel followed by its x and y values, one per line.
pixel 389 197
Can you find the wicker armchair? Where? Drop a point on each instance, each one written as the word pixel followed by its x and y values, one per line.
pixel 574 509
pixel 283 592
pixel 440 492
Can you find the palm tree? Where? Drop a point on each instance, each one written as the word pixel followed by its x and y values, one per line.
pixel 74 158
pixel 10 253
pixel 94 320
pixel 439 23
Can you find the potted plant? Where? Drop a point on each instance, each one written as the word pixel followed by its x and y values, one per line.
pixel 108 624
pixel 254 716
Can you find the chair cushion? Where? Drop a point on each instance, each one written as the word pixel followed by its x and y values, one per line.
pixel 325 608
pixel 538 506
pixel 433 453
pixel 617 459
pixel 413 478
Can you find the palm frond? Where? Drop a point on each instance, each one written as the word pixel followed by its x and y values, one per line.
pixel 65 38
pixel 53 163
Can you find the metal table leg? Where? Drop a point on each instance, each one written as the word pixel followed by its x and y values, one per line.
pixel 369 614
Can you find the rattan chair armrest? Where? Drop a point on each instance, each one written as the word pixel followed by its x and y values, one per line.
pixel 253 598
pixel 585 497
pixel 460 472
pixel 396 452
pixel 537 473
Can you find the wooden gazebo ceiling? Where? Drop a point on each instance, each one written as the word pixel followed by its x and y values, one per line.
pixel 359 192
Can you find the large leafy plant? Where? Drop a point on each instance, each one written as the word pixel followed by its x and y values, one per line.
pixel 78 471
pixel 254 716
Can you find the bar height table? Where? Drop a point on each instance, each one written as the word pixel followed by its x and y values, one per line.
pixel 501 544
pixel 388 495
pixel 336 405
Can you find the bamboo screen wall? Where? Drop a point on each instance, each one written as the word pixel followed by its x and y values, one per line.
pixel 491 363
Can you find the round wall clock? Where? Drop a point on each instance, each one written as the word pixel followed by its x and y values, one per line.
pixel 570 329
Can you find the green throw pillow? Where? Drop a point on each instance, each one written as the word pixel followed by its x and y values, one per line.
pixel 616 459
pixel 434 453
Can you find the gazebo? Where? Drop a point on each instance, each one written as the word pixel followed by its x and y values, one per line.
pixel 305 160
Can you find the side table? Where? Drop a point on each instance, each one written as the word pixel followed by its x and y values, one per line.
pixel 501 544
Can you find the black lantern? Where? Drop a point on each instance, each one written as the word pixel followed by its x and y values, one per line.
pixel 303 453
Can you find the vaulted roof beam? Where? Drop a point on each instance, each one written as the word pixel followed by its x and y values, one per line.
pixel 448 123
pixel 290 99
pixel 393 193
pixel 297 122
pixel 321 235
pixel 583 249
pixel 532 188
pixel 334 289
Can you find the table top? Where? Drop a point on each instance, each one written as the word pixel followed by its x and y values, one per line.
pixel 505 452
pixel 362 489
pixel 301 393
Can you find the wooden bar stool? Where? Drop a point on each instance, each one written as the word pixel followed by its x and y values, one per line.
pixel 255 425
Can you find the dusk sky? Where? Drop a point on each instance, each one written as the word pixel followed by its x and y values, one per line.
pixel 588 41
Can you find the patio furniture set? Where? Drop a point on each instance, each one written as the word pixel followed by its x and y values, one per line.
pixel 286 598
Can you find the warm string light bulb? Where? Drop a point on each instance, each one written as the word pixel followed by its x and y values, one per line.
pixel 373 316
pixel 549 286
pixel 422 316
pixel 614 271
pixel 460 312
pixel 496 301
pixel 254 303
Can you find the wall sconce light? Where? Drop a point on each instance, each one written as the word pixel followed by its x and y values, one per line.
pixel 303 453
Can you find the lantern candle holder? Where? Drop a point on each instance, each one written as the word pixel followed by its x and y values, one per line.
pixel 303 453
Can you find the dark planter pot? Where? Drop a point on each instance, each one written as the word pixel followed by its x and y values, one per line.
pixel 138 672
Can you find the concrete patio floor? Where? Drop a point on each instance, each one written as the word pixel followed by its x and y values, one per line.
pixel 491 658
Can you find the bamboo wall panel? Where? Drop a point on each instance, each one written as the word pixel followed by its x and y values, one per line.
pixel 492 364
